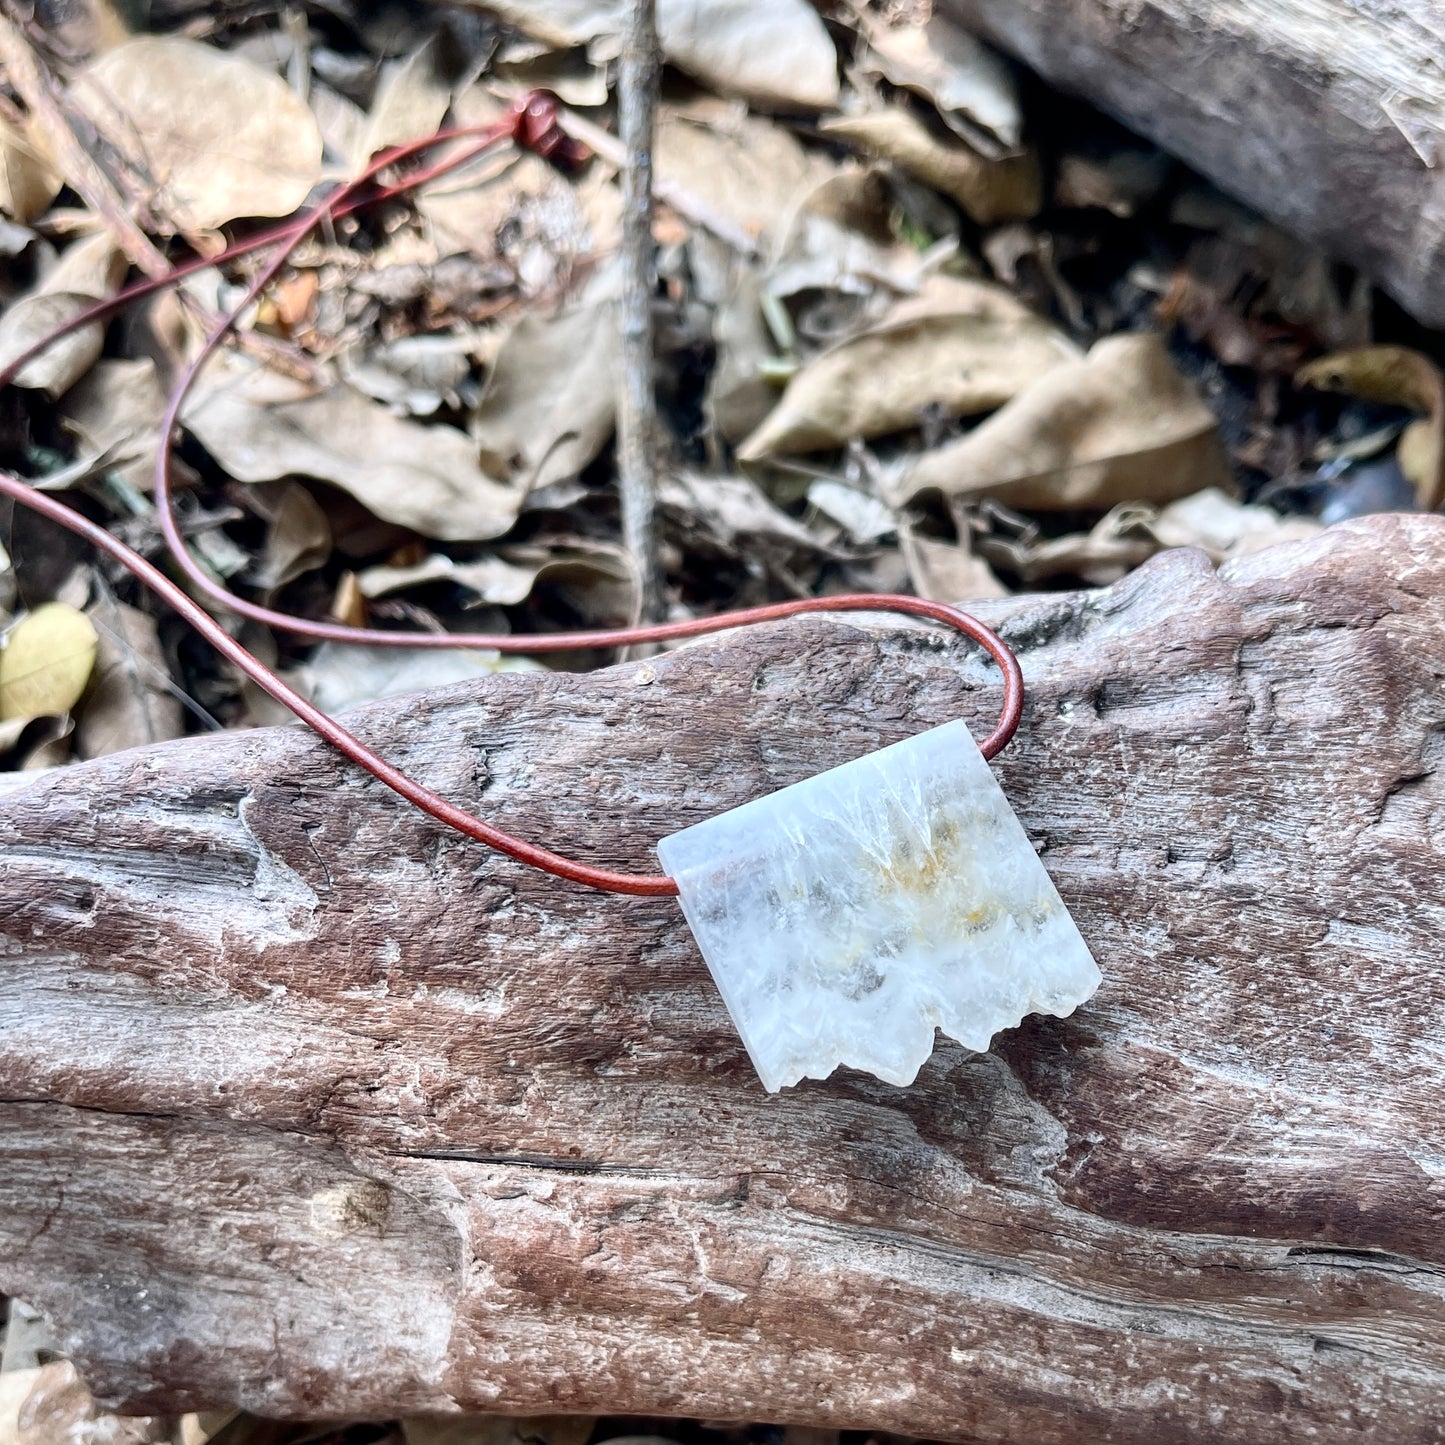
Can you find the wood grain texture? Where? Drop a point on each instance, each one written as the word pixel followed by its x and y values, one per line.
pixel 1328 115
pixel 312 1108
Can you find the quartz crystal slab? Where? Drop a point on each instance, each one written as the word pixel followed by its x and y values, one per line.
pixel 845 917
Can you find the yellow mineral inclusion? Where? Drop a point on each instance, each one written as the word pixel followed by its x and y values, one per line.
pixel 847 917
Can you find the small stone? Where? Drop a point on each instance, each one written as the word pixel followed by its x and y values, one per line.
pixel 846 917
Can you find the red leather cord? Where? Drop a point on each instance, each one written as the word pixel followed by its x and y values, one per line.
pixel 532 123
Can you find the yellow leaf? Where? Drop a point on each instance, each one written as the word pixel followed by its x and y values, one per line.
pixel 46 662
pixel 1397 376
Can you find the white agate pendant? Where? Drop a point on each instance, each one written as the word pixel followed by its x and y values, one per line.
pixel 845 917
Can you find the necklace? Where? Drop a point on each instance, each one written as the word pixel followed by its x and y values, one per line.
pixel 842 918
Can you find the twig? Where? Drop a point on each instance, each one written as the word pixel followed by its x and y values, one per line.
pixel 26 73
pixel 637 402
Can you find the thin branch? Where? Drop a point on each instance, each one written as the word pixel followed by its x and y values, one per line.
pixel 637 402
pixel 33 84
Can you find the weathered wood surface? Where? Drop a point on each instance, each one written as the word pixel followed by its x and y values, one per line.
pixel 1328 115
pixel 314 1108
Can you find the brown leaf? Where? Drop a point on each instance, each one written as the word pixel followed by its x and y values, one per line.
pixel 1118 425
pixel 571 75
pixel 348 605
pixel 839 236
pixel 340 675
pixel 262 427
pixel 972 88
pixel 735 515
pixel 597 568
pixel 129 702
pixel 989 191
pixel 88 270
pixel 1395 376
pixel 28 182
pixel 298 538
pixel 1116 544
pixel 959 349
pixel 947 571
pixel 519 211
pixel 1133 532
pixel 115 411
pixel 413 373
pixel 1225 527
pixel 550 400
pixel 57 368
pixel 410 102
pixel 739 396
pixel 221 137
pixel 776 54
pixel 862 516
pixel 746 169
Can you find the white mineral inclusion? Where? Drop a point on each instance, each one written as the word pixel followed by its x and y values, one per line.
pixel 847 916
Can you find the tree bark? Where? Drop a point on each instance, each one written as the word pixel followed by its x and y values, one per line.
pixel 1325 114
pixel 313 1108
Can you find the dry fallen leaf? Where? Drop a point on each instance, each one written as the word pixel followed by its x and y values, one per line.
pixel 414 374
pixel 947 571
pixel 57 368
pixel 777 54
pixel 862 516
pixel 46 662
pixel 410 102
pixel 1225 527
pixel 28 182
pixel 735 515
pixel 1133 532
pixel 219 136
pixel 115 411
pixel 972 88
pixel 522 213
pixel 743 167
pixel 597 568
pixel 341 675
pixel 739 396
pixel 839 236
pixel 88 270
pixel 298 538
pixel 1120 424
pixel 129 702
pixel 551 397
pixel 1397 376
pixel 1116 544
pixel 262 427
pixel 571 75
pixel 989 190
pixel 959 348
pixel 340 121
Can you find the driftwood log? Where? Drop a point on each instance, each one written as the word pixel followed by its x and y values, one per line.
pixel 313 1108
pixel 1328 115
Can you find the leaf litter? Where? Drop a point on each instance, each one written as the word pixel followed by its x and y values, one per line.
pixel 919 326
